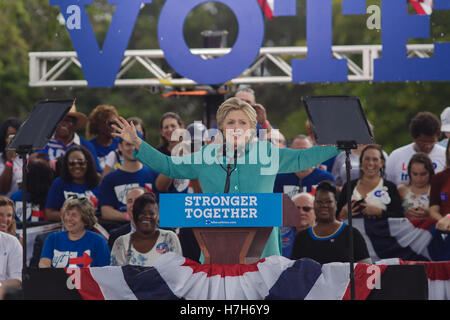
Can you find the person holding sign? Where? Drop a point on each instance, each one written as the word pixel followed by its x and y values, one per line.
pixel 255 163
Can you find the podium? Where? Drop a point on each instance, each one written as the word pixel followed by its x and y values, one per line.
pixel 240 244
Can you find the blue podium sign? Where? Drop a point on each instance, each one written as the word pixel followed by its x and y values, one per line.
pixel 220 210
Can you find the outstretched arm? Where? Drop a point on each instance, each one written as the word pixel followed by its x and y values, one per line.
pixel 174 167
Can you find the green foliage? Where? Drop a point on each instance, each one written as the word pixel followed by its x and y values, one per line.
pixel 32 25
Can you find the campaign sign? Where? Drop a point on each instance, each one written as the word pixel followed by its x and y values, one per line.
pixel 220 210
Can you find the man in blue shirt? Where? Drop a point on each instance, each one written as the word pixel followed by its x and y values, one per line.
pixel 65 137
pixel 302 181
pixel 115 185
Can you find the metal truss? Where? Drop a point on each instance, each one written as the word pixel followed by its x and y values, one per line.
pixel 50 69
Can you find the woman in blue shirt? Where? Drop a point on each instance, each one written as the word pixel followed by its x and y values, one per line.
pixel 78 176
pixel 76 246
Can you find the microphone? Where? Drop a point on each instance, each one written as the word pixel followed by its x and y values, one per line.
pixel 229 169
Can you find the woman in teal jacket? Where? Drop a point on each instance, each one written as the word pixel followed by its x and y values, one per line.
pixel 255 164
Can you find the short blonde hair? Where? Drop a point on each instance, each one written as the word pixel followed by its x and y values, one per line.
pixel 235 104
pixel 85 207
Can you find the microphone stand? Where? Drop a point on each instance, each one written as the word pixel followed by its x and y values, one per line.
pixel 229 169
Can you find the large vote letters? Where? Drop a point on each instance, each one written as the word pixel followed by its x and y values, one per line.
pixel 101 65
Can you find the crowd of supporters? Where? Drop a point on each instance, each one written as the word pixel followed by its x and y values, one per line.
pixel 107 200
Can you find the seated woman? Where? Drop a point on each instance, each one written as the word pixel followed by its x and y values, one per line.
pixel 78 177
pixel 372 195
pixel 415 194
pixel 144 246
pixel 10 163
pixel 39 180
pixel 7 221
pixel 76 246
pixel 440 195
pixel 327 241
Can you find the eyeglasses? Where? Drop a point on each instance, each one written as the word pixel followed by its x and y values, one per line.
pixel 73 163
pixel 305 208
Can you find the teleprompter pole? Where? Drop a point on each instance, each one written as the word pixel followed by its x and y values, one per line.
pixel 347 146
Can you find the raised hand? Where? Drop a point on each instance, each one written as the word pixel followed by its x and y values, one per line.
pixel 127 132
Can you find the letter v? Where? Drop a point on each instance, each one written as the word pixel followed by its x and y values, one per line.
pixel 100 67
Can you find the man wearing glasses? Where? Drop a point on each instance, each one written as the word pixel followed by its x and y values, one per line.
pixel 305 204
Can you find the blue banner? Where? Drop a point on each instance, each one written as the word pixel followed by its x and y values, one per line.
pixel 220 210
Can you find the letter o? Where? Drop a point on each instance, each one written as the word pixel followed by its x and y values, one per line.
pixel 215 201
pixel 198 213
pixel 213 71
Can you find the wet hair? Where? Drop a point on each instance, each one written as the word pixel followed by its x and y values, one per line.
pixel 327 185
pixel 425 123
pixel 92 177
pixel 39 179
pixel 375 147
pixel 11 122
pixel 141 202
pixel 423 158
pixel 85 207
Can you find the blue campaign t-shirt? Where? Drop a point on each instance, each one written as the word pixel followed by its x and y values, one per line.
pixel 115 185
pixel 55 149
pixel 290 183
pixel 35 212
pixel 61 190
pixel 64 252
pixel 103 151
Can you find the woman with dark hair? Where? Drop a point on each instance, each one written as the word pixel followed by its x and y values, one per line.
pixel 327 241
pixel 372 195
pixel 78 176
pixel 10 164
pixel 416 193
pixel 169 122
pixel 39 179
pixel 144 246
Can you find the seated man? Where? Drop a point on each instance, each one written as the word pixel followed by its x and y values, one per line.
pixel 305 204
pixel 302 181
pixel 65 137
pixel 112 199
pixel 327 241
pixel 132 195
